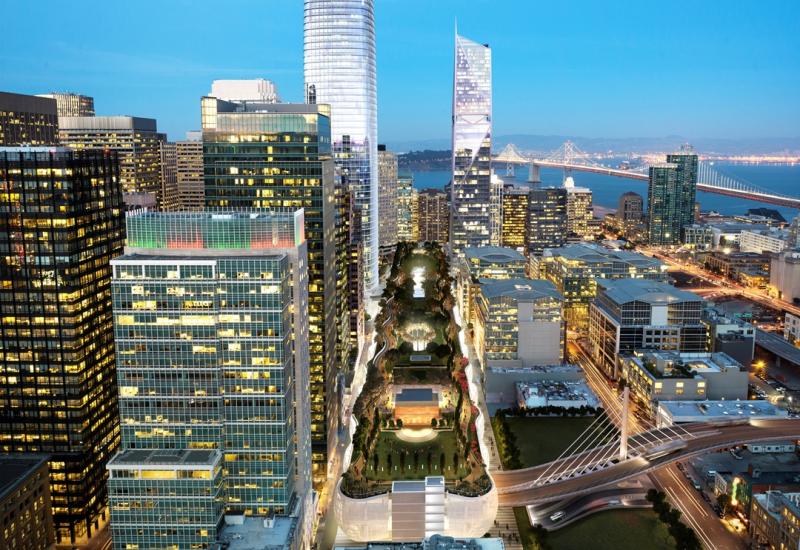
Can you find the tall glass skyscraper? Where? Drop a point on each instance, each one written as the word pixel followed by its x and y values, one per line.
pixel 339 64
pixel 471 190
pixel 663 205
pixel 686 163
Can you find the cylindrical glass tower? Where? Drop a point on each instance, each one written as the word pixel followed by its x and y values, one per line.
pixel 339 63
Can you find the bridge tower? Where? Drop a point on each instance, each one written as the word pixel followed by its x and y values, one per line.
pixel 534 175
pixel 509 170
pixel 623 441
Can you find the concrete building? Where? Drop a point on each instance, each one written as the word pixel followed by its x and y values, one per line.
pixel 494 262
pixel 729 335
pixel 630 214
pixel 726 234
pixel 576 268
pixel 514 222
pixel 72 104
pixel 555 393
pixel 189 166
pixel 27 120
pixel 435 542
pixel 211 319
pixel 518 323
pixel 241 532
pixel 61 226
pixel 698 237
pixel 731 264
pixel 769 240
pixel 636 314
pixel 579 210
pixel 472 197
pixel 241 172
pixel 387 197
pixel 407 210
pixel 793 237
pixel 547 219
pixel 784 275
pixel 25 509
pixel 433 215
pixel 658 376
pixel 501 382
pixel 775 520
pixel 339 64
pixel 685 412
pixel 137 143
pixel 791 328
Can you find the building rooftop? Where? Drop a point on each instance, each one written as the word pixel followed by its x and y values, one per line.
pixel 408 486
pixel 165 457
pixel 623 291
pixel 566 390
pixel 15 468
pixel 592 253
pixel 721 409
pixel 520 289
pixel 495 254
pixel 116 122
pixel 561 368
pixel 258 533
pixel 415 394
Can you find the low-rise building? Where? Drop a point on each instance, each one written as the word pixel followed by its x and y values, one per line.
pixel 791 328
pixel 787 446
pixel 639 314
pixel 729 335
pixel 518 323
pixel 240 532
pixel 775 520
pixel 654 377
pixel 761 241
pixel 743 486
pixel 684 412
pixel 501 382
pixel 784 275
pixel 727 233
pixel 699 237
pixel 555 393
pixel 495 262
pixel 732 263
pixel 576 268
pixel 25 511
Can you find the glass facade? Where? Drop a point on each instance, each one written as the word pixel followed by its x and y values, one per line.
pixel 471 189
pixel 434 215
pixel 27 120
pixel 339 66
pixel 387 196
pixel 686 163
pixel 407 210
pixel 265 155
pixel 663 205
pixel 211 328
pixel 61 224
pixel 547 218
pixel 514 232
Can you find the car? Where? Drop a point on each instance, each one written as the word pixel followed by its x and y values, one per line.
pixel 614 502
pixel 697 486
pixel 558 516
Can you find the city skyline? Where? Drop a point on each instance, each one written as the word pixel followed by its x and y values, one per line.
pixel 591 67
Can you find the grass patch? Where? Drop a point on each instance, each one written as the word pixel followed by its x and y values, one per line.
pixel 613 530
pixel 388 444
pixel 541 440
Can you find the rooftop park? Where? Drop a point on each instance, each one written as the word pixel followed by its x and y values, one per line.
pixel 414 414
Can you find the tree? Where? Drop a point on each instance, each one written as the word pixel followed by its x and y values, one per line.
pixel 455 461
pixel 399 422
pixel 433 423
pixel 375 462
pixel 441 462
pixel 389 461
pixel 416 460
pixel 724 501
pixel 402 459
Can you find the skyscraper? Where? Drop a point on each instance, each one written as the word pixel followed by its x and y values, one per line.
pixel 663 205
pixel 61 224
pixel 189 161
pixel 27 120
pixel 278 155
pixel 407 210
pixel 630 213
pixel 547 218
pixel 686 163
pixel 211 328
pixel 515 217
pixel 168 153
pixel 72 104
pixel 579 210
pixel 471 192
pixel 387 196
pixel 137 142
pixel 339 67
pixel 434 215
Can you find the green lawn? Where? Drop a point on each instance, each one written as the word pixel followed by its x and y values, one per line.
pixel 541 440
pixel 388 443
pixel 614 530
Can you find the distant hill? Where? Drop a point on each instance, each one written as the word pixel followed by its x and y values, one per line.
pixel 545 144
pixel 424 161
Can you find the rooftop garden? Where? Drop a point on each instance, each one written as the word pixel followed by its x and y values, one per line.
pixel 417 345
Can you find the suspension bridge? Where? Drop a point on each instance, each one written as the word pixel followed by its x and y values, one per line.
pixel 569 157
pixel 606 454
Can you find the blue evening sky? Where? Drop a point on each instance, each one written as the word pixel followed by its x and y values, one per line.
pixel 707 68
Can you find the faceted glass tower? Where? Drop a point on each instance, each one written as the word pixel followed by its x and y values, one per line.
pixel 339 65
pixel 663 205
pixel 471 197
